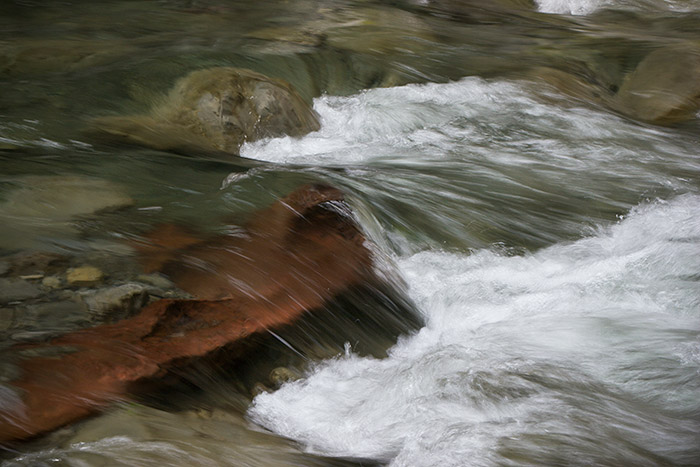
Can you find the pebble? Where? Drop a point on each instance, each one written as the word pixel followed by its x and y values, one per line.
pixel 52 282
pixel 31 277
pixel 84 276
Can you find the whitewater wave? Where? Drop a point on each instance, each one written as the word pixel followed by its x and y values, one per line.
pixel 439 121
pixel 526 360
pixel 586 7
pixel 571 7
pixel 475 120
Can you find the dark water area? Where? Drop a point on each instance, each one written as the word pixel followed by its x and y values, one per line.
pixel 524 177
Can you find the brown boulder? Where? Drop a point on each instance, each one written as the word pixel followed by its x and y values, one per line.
pixel 295 256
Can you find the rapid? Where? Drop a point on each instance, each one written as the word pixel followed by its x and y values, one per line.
pixel 540 242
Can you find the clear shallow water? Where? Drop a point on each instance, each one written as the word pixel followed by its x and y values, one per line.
pixel 551 245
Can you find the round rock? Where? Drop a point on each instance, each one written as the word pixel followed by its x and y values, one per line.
pixel 217 109
pixel 665 86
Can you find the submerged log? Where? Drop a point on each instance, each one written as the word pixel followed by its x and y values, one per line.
pixel 293 257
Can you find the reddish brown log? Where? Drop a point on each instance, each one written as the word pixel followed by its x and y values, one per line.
pixel 293 257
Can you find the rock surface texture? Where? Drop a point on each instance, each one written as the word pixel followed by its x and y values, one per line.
pixel 664 88
pixel 217 109
pixel 295 255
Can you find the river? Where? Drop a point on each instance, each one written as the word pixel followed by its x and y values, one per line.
pixel 543 237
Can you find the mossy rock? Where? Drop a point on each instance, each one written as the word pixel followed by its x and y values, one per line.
pixel 217 109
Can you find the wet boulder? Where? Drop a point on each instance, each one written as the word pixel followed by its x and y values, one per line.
pixel 217 109
pixel 298 254
pixel 664 88
pixel 115 303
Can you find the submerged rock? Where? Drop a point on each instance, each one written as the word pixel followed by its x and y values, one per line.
pixel 58 198
pixel 84 276
pixel 12 290
pixel 298 254
pixel 51 282
pixel 664 88
pixel 280 375
pixel 7 318
pixel 35 262
pixel 361 29
pixel 56 316
pixel 42 207
pixel 568 84
pixel 43 56
pixel 116 303
pixel 217 109
pixel 477 10
pixel 156 280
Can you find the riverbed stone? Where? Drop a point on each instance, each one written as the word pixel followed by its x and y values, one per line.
pixel 35 262
pixel 59 198
pixel 12 290
pixel 7 318
pixel 56 316
pixel 363 30
pixel 280 375
pixel 43 207
pixel 476 9
pixel 217 109
pixel 42 56
pixel 567 84
pixel 119 422
pixel 116 303
pixel 84 276
pixel 51 282
pixel 156 280
pixel 664 88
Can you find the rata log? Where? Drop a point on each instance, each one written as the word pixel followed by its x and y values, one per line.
pixel 292 257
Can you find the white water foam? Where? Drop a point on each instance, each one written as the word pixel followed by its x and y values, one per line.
pixel 586 7
pixel 475 120
pixel 581 353
pixel 571 7
pixel 436 120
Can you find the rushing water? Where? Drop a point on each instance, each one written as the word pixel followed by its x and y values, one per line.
pixel 548 242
